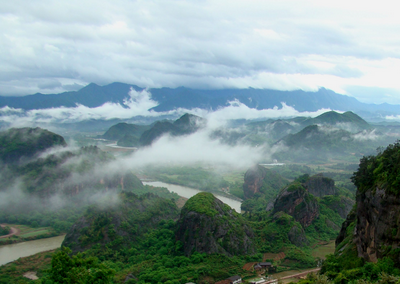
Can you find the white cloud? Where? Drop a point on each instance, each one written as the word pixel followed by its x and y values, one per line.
pixel 140 104
pixel 206 44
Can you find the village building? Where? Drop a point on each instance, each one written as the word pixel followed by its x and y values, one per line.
pixel 235 279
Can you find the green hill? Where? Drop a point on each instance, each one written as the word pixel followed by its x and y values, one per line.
pixel 186 124
pixel 24 143
pixel 116 226
pixel 348 120
pixel 120 130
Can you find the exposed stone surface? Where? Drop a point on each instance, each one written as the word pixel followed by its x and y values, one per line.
pixel 207 225
pixel 297 236
pixel 344 206
pixel 378 220
pixel 297 202
pixel 319 186
pixel 258 179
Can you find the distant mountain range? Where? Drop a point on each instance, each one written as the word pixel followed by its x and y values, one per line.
pixel 94 95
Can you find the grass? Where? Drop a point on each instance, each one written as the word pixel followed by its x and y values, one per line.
pixel 35 233
pixel 323 250
pixel 28 233
pixel 12 272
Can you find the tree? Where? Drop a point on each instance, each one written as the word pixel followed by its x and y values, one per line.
pixel 78 269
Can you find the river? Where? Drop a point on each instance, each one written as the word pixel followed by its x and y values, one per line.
pixel 12 252
pixel 188 192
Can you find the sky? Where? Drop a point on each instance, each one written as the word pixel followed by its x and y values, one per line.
pixel 351 47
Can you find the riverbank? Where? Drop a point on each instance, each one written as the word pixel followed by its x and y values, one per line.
pixel 25 267
pixel 188 192
pixel 23 233
pixel 14 231
pixel 12 252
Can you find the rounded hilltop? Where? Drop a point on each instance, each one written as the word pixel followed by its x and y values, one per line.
pixel 207 225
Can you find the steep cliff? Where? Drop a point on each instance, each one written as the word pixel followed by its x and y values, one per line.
pixel 296 201
pixel 376 219
pixel 260 180
pixel 207 225
pixel 319 186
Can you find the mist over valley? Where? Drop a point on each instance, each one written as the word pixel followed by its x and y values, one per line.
pixel 206 142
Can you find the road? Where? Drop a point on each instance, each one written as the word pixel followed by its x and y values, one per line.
pixel 304 273
pixel 14 231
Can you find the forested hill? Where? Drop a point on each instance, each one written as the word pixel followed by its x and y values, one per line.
pixel 94 95
pixel 18 143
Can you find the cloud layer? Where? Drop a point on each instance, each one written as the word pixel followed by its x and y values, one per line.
pixel 140 104
pixel 53 46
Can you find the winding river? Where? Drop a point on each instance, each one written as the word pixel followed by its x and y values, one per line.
pixel 12 252
pixel 188 192
pixel 9 253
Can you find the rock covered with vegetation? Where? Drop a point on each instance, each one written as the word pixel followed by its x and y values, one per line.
pixel 207 225
pixel 378 205
pixel 122 129
pixel 368 244
pixel 262 181
pixel 319 186
pixel 20 143
pixel 186 124
pixel 116 223
pixel 296 201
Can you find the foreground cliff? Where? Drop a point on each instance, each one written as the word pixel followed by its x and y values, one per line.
pixel 368 245
pixel 207 225
pixel 376 230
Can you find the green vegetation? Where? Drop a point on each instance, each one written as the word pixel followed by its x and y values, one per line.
pixel 380 171
pixel 203 203
pixel 4 230
pixel 16 143
pixel 195 177
pixel 27 233
pixel 12 273
pixel 77 269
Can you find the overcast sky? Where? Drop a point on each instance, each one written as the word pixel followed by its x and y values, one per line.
pixel 351 47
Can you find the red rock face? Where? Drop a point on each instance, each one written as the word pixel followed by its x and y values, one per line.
pixel 320 186
pixel 297 202
pixel 377 227
pixel 253 181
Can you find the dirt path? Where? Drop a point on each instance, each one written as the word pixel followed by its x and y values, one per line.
pixel 304 273
pixel 14 231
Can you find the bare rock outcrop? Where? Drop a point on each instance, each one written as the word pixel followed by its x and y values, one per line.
pixel 207 225
pixel 296 201
pixel 258 179
pixel 319 186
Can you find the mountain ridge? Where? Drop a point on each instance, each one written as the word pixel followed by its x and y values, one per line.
pixel 94 95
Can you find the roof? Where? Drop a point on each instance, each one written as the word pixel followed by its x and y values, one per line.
pixel 223 282
pixel 236 277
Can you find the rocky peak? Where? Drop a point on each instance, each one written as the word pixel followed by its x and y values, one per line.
pixel 207 225
pixel 296 201
pixel 376 218
pixel 319 186
pixel 258 179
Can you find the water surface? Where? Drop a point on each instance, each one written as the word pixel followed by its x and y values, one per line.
pixel 12 252
pixel 188 192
